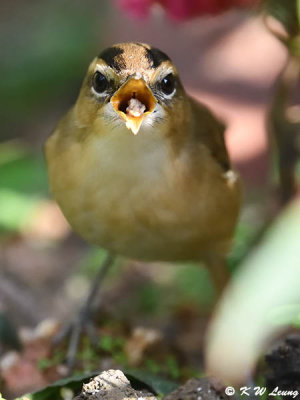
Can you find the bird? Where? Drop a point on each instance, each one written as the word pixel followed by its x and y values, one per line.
pixel 141 169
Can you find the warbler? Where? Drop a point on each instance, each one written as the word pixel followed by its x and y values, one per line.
pixel 140 168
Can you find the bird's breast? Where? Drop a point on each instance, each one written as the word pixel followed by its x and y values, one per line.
pixel 132 195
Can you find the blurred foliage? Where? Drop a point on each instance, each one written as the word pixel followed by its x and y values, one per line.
pixel 22 171
pixel 57 358
pixel 285 11
pixel 111 344
pixel 192 285
pixel 92 260
pixel 46 56
pixel 244 237
pixel 46 48
pixel 23 183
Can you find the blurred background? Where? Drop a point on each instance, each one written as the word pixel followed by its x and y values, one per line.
pixel 230 62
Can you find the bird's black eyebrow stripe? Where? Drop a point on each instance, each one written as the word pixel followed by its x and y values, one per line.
pixel 113 57
pixel 156 57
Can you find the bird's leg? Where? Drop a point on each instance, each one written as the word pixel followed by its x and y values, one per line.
pixel 83 318
pixel 218 272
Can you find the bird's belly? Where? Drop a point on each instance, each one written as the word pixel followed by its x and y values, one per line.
pixel 144 209
pixel 145 224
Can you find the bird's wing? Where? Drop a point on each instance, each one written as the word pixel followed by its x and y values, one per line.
pixel 210 131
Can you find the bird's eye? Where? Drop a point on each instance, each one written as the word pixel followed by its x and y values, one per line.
pixel 100 83
pixel 168 84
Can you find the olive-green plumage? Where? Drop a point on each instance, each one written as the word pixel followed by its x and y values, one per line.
pixel 166 192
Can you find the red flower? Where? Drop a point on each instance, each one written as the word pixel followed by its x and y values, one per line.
pixel 182 9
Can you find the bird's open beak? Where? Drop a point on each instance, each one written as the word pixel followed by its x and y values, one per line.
pixel 133 101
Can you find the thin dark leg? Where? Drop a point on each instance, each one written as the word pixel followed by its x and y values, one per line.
pixel 76 327
pixel 96 284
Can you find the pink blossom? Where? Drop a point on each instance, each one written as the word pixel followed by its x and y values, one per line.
pixel 138 9
pixel 182 9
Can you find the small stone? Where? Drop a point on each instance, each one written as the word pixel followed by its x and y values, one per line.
pixel 209 387
pixel 112 385
pixel 46 329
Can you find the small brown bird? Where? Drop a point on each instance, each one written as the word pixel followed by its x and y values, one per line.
pixel 140 168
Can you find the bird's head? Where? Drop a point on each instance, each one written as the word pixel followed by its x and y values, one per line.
pixel 131 84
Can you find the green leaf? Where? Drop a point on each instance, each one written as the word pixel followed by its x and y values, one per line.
pixel 285 11
pixel 53 391
pixel 156 384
